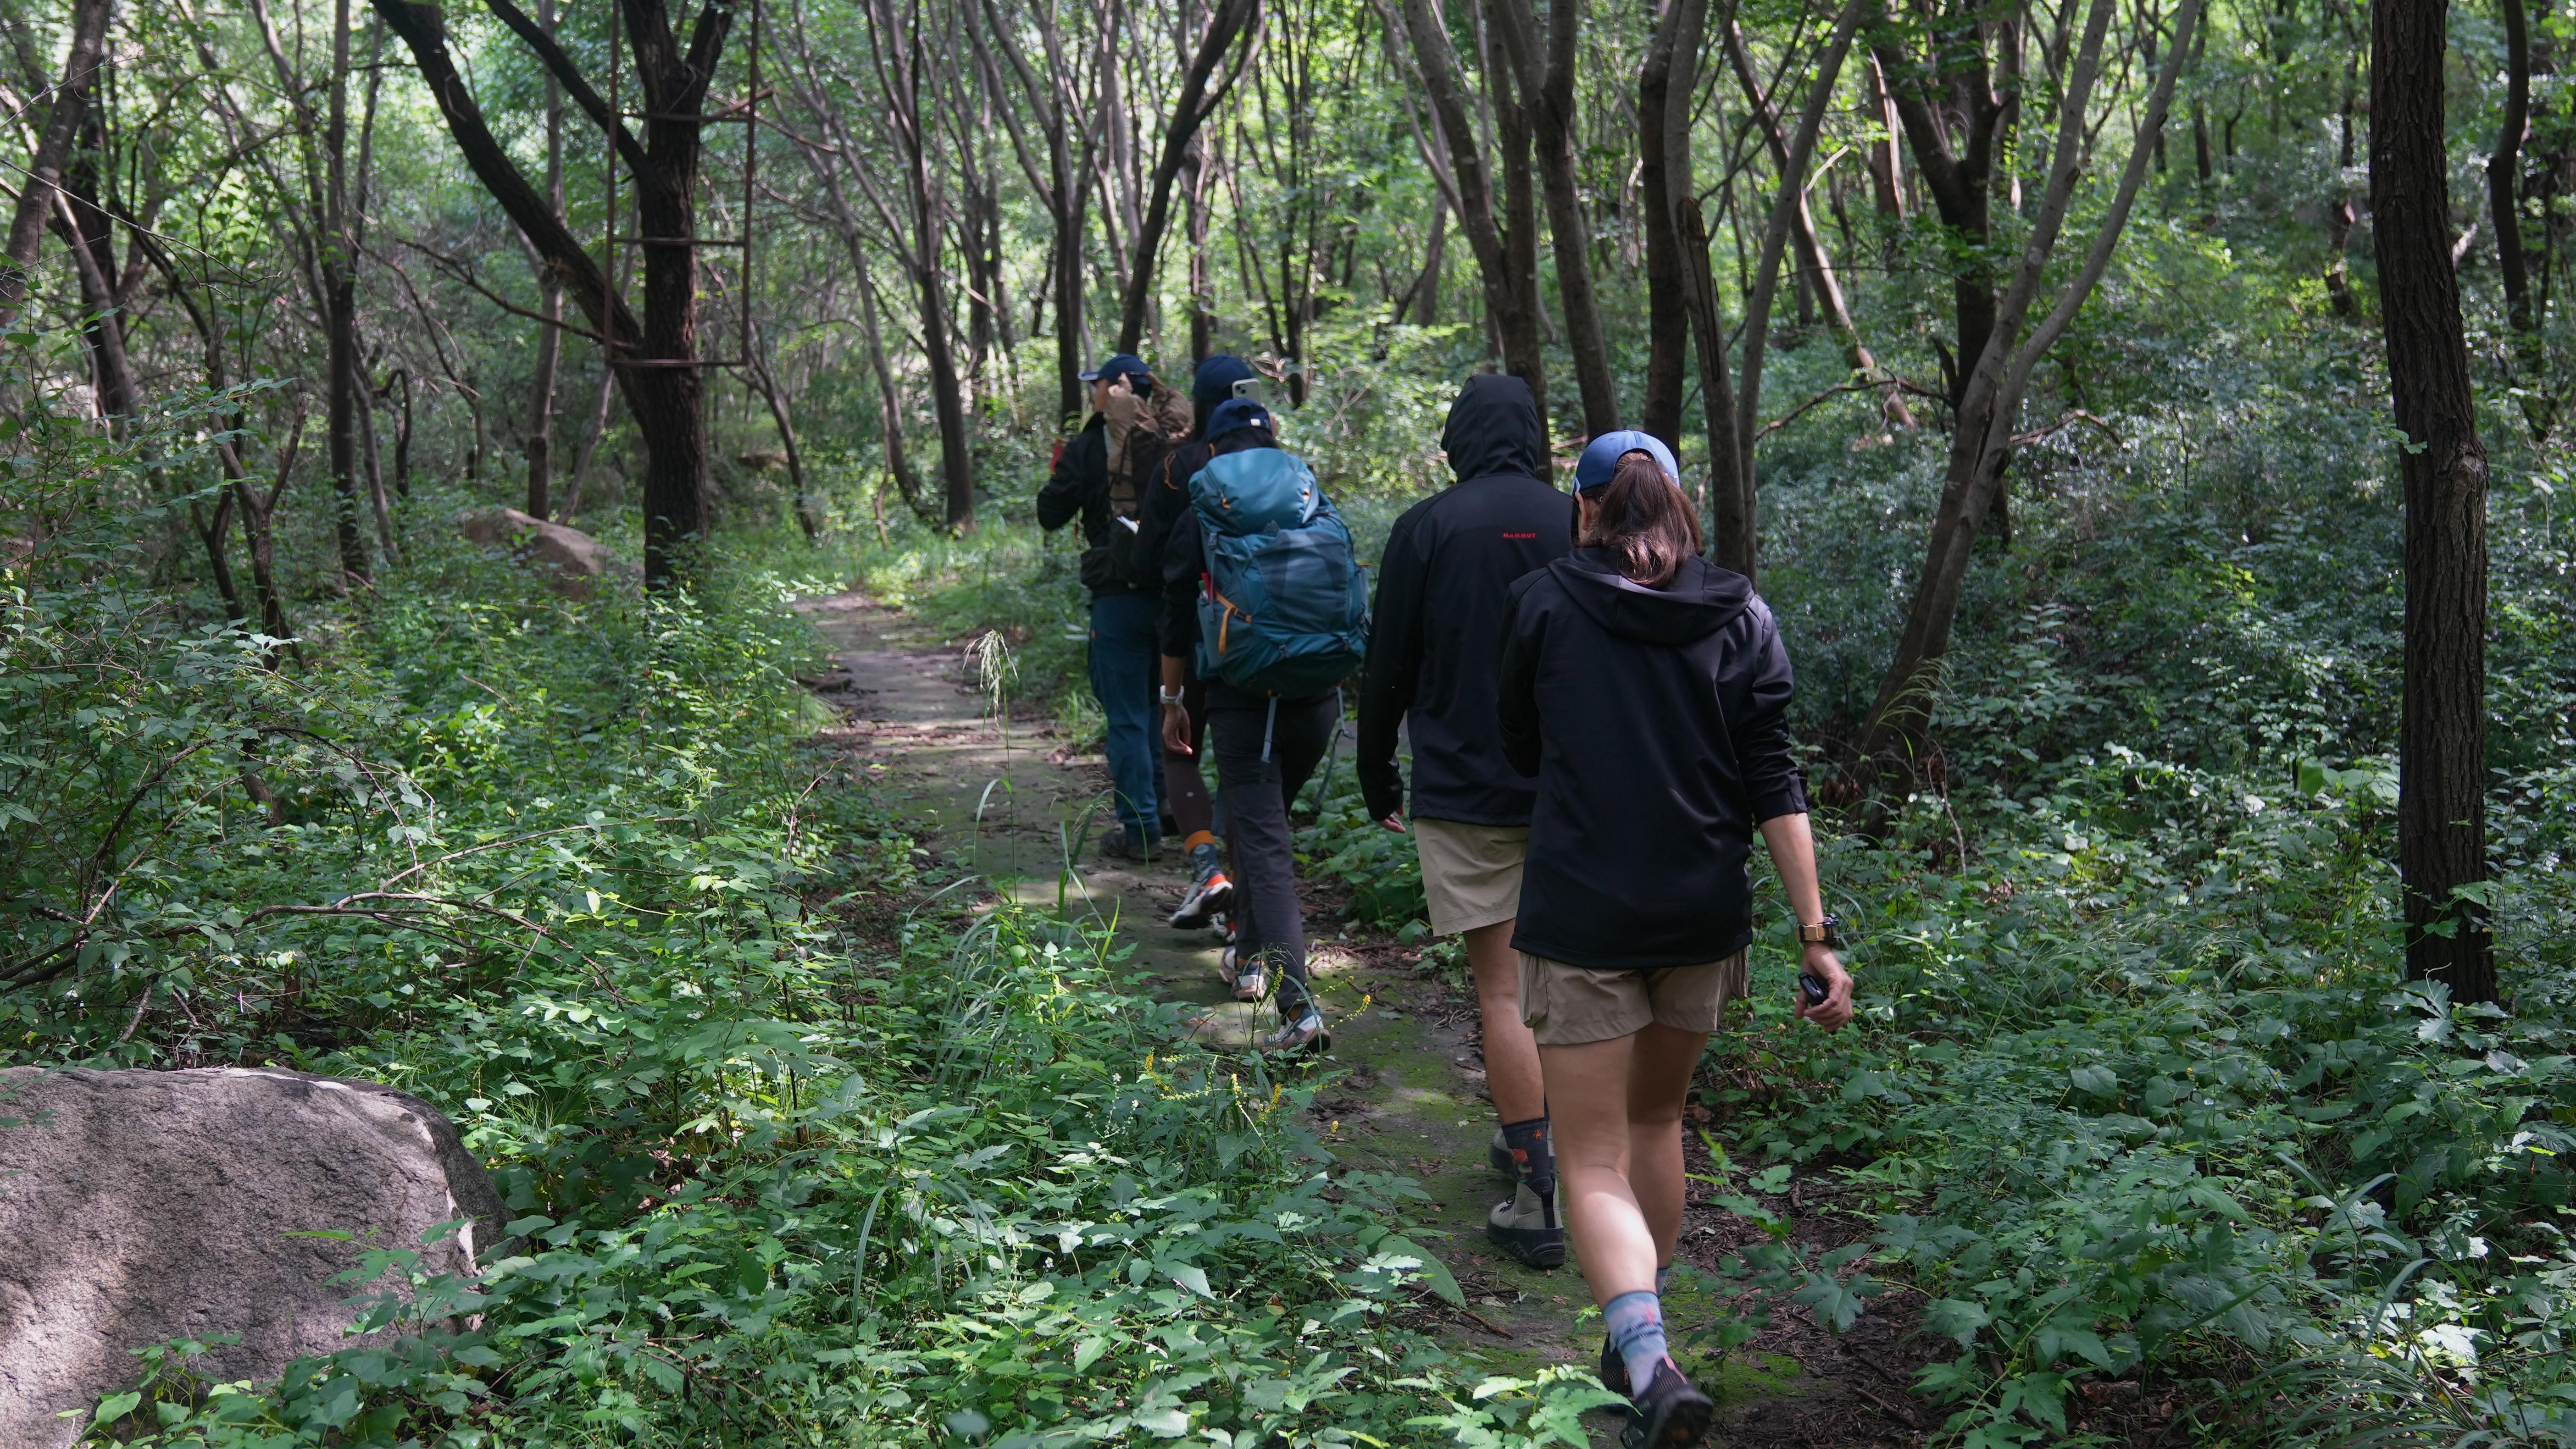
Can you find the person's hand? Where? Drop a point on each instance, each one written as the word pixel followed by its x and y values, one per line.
pixel 1123 407
pixel 1836 1009
pixel 1176 730
pixel 1394 821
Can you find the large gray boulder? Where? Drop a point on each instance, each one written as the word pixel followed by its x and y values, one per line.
pixel 574 557
pixel 137 1207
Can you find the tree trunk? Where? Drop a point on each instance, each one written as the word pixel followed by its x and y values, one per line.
pixel 211 532
pixel 1667 311
pixel 1510 294
pixel 1817 269
pixel 1513 144
pixel 899 467
pixel 655 361
pixel 70 108
pixel 1203 163
pixel 1232 19
pixel 2441 744
pixel 340 310
pixel 1730 502
pixel 581 461
pixel 1786 207
pixel 1546 85
pixel 541 385
pixel 1993 383
pixel 809 514
pixel 904 61
pixel 2504 170
pixel 1886 154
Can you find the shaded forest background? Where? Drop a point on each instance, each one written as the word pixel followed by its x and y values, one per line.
pixel 2036 359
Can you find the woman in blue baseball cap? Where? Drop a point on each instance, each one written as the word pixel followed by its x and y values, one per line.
pixel 1648 691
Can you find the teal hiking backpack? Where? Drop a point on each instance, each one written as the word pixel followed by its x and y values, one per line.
pixel 1283 606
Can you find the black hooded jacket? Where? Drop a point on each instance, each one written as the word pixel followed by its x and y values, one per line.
pixel 1656 721
pixel 1164 468
pixel 1437 625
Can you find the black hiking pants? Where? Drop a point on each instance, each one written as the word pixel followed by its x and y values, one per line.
pixel 1266 749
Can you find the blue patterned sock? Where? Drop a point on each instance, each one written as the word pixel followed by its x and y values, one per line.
pixel 1636 1323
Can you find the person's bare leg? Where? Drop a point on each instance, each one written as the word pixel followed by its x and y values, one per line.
pixel 1588 1090
pixel 1659 1072
pixel 1511 1053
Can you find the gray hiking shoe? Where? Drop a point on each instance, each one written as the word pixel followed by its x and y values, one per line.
pixel 1298 1036
pixel 1248 981
pixel 1525 1225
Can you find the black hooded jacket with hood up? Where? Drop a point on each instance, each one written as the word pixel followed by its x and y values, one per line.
pixel 1656 721
pixel 1442 587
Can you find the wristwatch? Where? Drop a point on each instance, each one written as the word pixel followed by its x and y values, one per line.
pixel 1827 933
pixel 1169 696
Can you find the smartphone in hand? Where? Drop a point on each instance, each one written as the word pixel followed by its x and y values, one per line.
pixel 1813 988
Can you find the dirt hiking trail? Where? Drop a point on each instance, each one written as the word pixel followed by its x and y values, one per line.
pixel 1405 1088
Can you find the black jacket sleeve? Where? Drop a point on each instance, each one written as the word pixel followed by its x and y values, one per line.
pixel 1178 627
pixel 1516 701
pixel 1765 751
pixel 1064 494
pixel 1394 667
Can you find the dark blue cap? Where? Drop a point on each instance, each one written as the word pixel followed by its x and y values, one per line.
pixel 1601 459
pixel 1117 365
pixel 1212 386
pixel 1241 412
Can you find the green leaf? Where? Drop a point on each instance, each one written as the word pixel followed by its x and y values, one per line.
pixel 1192 1277
pixel 1956 1318
pixel 2095 1081
pixel 112 1409
pixel 1434 1272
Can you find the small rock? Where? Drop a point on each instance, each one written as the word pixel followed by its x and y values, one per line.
pixel 138 1207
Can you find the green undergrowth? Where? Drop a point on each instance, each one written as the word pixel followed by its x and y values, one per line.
pixel 798 1147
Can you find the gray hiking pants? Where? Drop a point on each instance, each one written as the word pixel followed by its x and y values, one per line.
pixel 1266 749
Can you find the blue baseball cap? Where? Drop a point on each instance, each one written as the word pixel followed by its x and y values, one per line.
pixel 1117 365
pixel 1240 412
pixel 1601 459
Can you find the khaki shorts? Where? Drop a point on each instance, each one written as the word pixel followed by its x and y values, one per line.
pixel 1471 874
pixel 1571 1005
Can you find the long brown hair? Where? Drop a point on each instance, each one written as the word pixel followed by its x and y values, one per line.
pixel 1641 513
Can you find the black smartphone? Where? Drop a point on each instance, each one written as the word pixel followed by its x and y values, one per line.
pixel 1813 988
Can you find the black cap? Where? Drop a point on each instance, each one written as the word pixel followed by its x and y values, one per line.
pixel 1117 365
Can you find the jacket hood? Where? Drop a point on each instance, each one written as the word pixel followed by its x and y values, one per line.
pixel 1493 428
pixel 1701 599
pixel 1213 384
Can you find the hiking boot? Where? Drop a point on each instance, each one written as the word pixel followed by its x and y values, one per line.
pixel 1207 900
pixel 1248 982
pixel 1525 1226
pixel 1670 1414
pixel 1500 1155
pixel 1297 1036
pixel 1614 1370
pixel 1120 845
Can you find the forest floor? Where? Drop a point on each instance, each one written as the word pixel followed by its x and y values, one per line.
pixel 1403 1092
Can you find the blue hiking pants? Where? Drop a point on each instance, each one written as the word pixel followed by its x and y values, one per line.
pixel 1125 665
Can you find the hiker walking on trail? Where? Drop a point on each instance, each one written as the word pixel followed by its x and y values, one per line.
pixel 1648 691
pixel 1442 588
pixel 1094 478
pixel 1164 467
pixel 1278 618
